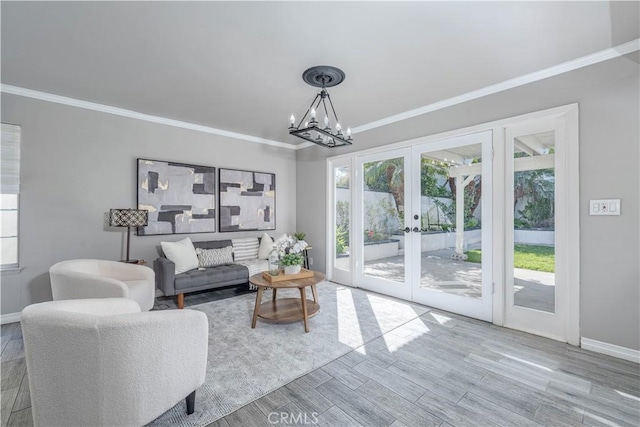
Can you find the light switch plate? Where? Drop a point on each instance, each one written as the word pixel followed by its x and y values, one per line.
pixel 604 207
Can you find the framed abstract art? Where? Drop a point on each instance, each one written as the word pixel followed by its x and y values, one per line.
pixel 180 198
pixel 247 200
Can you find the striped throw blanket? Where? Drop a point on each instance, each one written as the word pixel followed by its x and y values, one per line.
pixel 245 249
pixel 255 266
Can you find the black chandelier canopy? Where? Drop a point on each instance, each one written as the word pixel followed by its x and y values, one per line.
pixel 329 133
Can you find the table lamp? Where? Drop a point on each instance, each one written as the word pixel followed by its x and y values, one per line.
pixel 128 218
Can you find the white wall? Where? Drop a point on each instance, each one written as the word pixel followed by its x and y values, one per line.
pixel 607 94
pixel 77 164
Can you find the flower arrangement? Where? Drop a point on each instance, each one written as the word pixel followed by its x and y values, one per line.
pixel 290 251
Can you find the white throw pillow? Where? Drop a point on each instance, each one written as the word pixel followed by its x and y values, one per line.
pixel 266 245
pixel 182 253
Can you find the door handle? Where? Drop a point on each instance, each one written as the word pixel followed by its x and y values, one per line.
pixel 407 230
pixel 416 230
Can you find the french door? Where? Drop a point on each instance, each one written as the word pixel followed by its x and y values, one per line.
pixel 423 224
pixel 452 225
pixel 484 224
pixel 382 226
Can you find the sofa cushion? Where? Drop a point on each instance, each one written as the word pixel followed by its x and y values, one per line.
pixel 245 249
pixel 218 274
pixel 213 257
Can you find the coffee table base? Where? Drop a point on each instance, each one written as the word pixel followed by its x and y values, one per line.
pixel 286 310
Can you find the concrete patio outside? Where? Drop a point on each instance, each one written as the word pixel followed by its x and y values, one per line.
pixel 533 289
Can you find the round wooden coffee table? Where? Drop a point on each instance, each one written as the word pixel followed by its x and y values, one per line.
pixel 285 310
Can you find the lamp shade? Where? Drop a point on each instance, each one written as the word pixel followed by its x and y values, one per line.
pixel 128 217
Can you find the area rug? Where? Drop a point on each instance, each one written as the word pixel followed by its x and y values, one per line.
pixel 245 364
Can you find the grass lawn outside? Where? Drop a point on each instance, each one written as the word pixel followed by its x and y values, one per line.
pixel 529 257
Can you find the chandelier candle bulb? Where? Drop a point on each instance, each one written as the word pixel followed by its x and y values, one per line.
pixel 292 119
pixel 313 114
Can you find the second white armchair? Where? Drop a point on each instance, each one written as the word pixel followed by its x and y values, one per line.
pixel 96 278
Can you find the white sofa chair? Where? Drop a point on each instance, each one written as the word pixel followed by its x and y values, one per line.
pixel 102 362
pixel 95 278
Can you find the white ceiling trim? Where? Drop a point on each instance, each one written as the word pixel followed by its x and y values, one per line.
pixel 585 61
pixel 43 96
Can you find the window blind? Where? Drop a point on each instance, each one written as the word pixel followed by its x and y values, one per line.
pixel 10 159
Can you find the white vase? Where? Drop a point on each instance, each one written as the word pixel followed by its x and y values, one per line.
pixel 292 269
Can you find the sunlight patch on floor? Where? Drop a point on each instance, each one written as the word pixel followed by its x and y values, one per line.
pixel 349 331
pixel 628 396
pixel 600 419
pixel 440 318
pixel 396 340
pixel 526 362
pixel 390 312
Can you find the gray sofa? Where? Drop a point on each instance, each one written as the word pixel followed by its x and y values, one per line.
pixel 197 280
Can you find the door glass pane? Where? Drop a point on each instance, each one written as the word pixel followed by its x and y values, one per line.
pixel 342 215
pixel 451 207
pixel 534 221
pixel 383 218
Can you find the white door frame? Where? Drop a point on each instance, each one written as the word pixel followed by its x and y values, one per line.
pixel 569 114
pixel 344 277
pixel 556 325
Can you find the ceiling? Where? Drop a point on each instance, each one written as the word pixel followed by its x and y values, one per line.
pixel 237 66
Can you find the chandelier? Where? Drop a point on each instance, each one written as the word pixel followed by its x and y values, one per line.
pixel 327 133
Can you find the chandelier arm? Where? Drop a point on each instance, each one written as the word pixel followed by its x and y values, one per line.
pixel 308 111
pixel 318 104
pixel 333 108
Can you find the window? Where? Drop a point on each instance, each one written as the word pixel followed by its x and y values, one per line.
pixel 9 191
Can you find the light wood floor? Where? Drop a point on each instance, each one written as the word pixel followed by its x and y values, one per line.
pixel 440 369
pixel 445 369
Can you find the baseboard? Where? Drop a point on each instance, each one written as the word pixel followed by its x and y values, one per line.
pixel 9 318
pixel 611 349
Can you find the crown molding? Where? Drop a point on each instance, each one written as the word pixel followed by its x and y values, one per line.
pixel 305 145
pixel 72 102
pixel 565 67
pixel 585 61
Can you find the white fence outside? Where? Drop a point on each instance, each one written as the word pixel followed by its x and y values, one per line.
pixel 534 237
pixel 385 220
